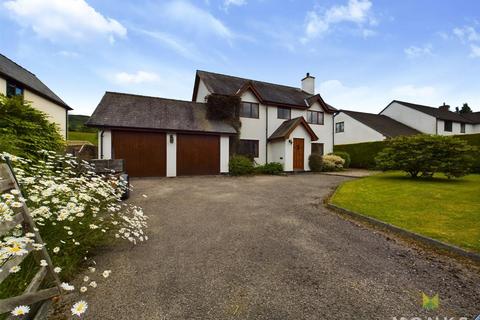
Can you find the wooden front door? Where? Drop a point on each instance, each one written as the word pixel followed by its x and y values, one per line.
pixel 144 152
pixel 198 154
pixel 298 154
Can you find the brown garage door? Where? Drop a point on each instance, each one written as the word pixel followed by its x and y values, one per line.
pixel 198 154
pixel 144 152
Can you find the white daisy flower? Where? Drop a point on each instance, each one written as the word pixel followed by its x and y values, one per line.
pixel 92 269
pixel 93 284
pixel 56 250
pixel 57 269
pixel 83 289
pixel 20 310
pixel 86 278
pixel 79 308
pixel 106 273
pixel 14 269
pixel 67 287
pixel 43 263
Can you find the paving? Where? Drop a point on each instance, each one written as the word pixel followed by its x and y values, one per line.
pixel 265 247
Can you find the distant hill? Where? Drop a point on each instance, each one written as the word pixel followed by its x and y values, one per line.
pixel 77 123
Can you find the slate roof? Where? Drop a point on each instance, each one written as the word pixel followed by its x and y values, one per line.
pixel 122 110
pixel 287 127
pixel 382 124
pixel 269 92
pixel 11 70
pixel 474 117
pixel 435 112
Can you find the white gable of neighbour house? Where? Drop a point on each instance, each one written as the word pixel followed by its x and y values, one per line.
pixel 15 80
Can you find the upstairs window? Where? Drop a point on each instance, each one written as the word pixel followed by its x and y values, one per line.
pixel 14 89
pixel 315 117
pixel 462 127
pixel 339 127
pixel 249 110
pixel 248 148
pixel 283 113
pixel 447 126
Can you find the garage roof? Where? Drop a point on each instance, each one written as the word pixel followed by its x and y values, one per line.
pixel 121 110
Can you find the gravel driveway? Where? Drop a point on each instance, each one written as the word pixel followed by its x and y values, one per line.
pixel 266 248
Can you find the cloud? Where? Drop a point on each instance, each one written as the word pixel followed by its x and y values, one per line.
pixel 469 35
pixel 181 47
pixel 415 52
pixel 68 54
pixel 355 11
pixel 341 96
pixel 475 51
pixel 411 91
pixel 196 19
pixel 64 19
pixel 139 77
pixel 228 3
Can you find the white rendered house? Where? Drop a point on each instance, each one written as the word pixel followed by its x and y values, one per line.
pixel 15 80
pixel 165 137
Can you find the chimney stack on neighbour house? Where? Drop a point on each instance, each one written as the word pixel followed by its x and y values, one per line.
pixel 308 84
pixel 445 107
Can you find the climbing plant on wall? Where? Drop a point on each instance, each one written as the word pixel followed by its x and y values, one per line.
pixel 226 108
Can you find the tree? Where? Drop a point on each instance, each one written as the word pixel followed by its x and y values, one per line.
pixel 426 155
pixel 465 109
pixel 24 130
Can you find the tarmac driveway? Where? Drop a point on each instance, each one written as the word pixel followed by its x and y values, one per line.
pixel 265 247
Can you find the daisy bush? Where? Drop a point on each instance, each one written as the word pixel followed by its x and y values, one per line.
pixel 75 210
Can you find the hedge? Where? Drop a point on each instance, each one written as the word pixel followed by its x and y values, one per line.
pixel 363 154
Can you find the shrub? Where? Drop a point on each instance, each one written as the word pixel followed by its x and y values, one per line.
pixel 332 163
pixel 240 165
pixel 24 131
pixel 362 155
pixel 473 140
pixel 315 162
pixel 426 155
pixel 345 156
pixel 75 211
pixel 270 168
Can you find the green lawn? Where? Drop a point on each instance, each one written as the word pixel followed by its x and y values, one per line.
pixel 447 210
pixel 83 136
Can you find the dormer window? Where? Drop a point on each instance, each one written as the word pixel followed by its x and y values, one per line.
pixel 283 113
pixel 14 89
pixel 315 117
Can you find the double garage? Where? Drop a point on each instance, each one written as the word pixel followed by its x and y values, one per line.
pixel 160 137
pixel 145 153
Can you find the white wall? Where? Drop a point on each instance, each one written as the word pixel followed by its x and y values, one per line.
pixel 411 117
pixel 224 153
pixel 171 155
pixel 301 133
pixel 3 86
pixel 276 151
pixel 56 113
pixel 105 143
pixel 456 126
pixel 202 92
pixel 355 131
pixel 255 129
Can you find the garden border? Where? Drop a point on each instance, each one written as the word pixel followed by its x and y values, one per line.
pixel 403 232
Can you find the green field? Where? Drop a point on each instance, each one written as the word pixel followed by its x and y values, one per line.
pixel 83 136
pixel 446 210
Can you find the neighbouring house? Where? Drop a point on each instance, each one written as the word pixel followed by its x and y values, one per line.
pixel 357 127
pixel 18 81
pixel 430 120
pixel 165 137
pixel 402 118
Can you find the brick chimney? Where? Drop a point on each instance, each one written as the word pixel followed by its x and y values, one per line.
pixel 444 107
pixel 308 84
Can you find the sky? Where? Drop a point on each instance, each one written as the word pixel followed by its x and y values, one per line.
pixel 363 53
